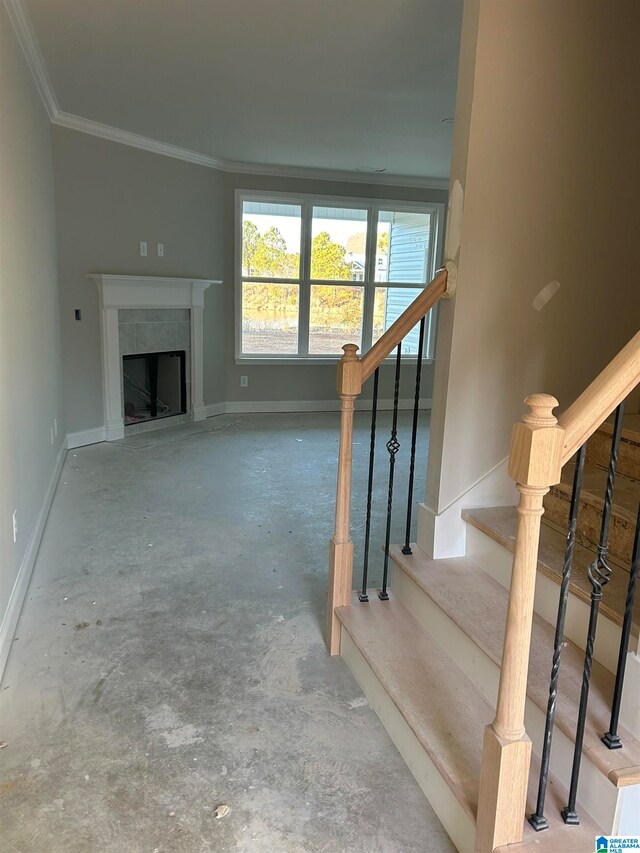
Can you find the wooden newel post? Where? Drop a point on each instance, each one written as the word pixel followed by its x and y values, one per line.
pixel 341 547
pixel 535 463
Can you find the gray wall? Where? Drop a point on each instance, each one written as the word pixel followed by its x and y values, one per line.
pixel 109 197
pixel 30 362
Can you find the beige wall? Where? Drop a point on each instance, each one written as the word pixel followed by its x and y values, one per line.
pixel 30 368
pixel 109 197
pixel 546 147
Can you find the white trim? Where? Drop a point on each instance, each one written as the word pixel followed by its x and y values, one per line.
pixel 84 437
pixel 136 140
pixel 29 43
pixel 145 291
pixel 21 585
pixel 330 360
pixel 338 175
pixel 442 533
pixel 165 149
pixel 303 282
pixel 214 409
pixel 284 406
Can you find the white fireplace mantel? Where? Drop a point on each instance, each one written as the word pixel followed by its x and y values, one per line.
pixel 143 291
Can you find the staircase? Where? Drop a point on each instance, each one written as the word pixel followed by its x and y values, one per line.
pixel 449 682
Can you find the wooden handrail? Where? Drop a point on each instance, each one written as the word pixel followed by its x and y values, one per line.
pixel 352 372
pixel 595 404
pixel 436 289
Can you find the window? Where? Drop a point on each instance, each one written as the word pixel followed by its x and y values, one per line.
pixel 315 273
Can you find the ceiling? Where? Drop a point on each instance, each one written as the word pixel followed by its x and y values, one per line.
pixel 322 84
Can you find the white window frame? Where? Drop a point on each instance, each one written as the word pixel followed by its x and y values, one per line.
pixel 306 201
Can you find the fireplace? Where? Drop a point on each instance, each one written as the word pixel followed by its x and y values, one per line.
pixel 154 385
pixel 150 315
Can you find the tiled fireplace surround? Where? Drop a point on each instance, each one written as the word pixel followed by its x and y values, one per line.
pixel 149 314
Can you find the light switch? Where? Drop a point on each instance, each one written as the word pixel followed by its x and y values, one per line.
pixel 143 248
pixel 161 250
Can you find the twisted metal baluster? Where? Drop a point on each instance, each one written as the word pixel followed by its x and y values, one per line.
pixel 537 820
pixel 372 448
pixel 599 574
pixel 612 738
pixel 393 445
pixel 414 434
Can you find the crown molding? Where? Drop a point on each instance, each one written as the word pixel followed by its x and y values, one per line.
pixel 341 175
pixel 19 18
pixel 27 38
pixel 155 146
pixel 136 140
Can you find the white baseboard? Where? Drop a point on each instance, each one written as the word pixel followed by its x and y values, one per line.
pixel 19 591
pixel 443 534
pixel 283 406
pixel 84 437
pixel 237 407
pixel 214 409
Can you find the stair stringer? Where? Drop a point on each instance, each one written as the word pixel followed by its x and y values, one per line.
pixel 455 819
pixel 597 794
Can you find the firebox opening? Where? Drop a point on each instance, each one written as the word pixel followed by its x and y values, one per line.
pixel 154 386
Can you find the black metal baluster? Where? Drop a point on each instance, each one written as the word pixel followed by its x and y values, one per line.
pixel 537 820
pixel 612 738
pixel 414 434
pixel 599 573
pixel 393 445
pixel 372 448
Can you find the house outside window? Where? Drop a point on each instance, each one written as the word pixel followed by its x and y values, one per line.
pixel 315 272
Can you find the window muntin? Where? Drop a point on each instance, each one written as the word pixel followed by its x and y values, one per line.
pixel 354 265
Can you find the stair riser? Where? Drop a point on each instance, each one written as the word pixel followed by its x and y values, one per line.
pixel 621 530
pixel 497 562
pixel 599 450
pixel 456 821
pixel 597 795
pixel 628 811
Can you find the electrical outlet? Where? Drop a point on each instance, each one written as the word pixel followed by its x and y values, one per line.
pixel 143 248
pixel 244 381
pixel 15 525
pixel 161 250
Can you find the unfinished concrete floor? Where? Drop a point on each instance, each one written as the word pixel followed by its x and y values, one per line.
pixel 170 657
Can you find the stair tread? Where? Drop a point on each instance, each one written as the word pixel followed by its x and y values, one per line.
pixel 599 447
pixel 448 721
pixel 630 427
pixel 626 493
pixel 500 523
pixel 478 605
